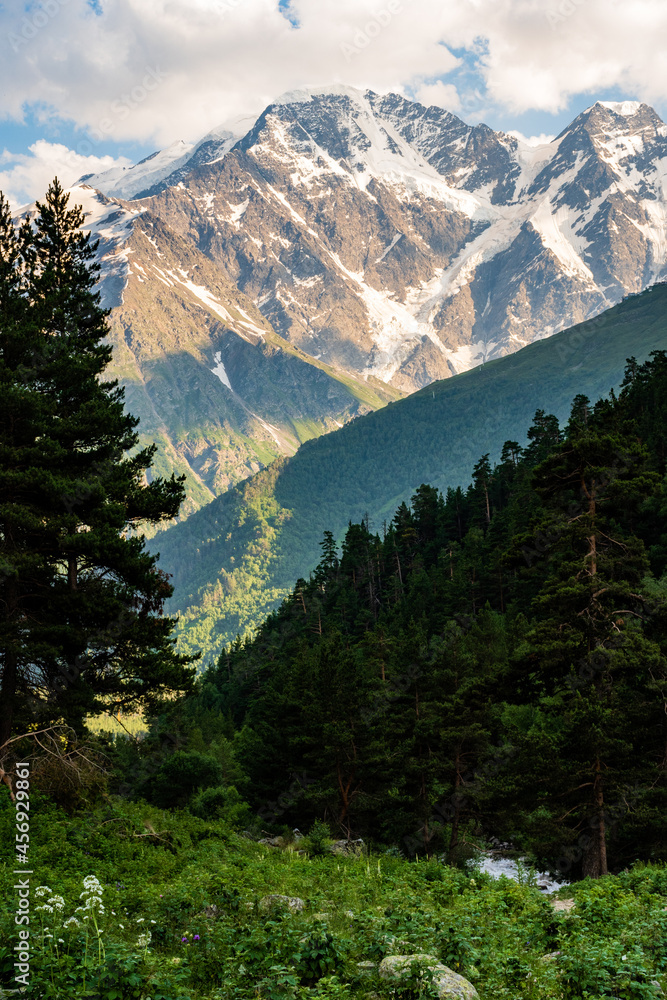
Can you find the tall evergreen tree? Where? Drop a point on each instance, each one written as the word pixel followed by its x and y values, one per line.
pixel 81 625
pixel 589 658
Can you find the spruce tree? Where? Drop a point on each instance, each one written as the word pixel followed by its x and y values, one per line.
pixel 591 665
pixel 82 626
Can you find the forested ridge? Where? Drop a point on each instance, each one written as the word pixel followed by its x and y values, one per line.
pixel 492 662
pixel 235 559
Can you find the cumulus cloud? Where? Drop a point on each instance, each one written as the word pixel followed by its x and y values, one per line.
pixel 25 176
pixel 443 95
pixel 538 53
pixel 532 140
pixel 158 70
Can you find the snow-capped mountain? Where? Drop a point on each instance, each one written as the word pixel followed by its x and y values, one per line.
pixel 292 270
pixel 393 240
pixel 167 166
pixel 208 377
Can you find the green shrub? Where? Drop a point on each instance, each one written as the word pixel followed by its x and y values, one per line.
pixel 221 803
pixel 181 775
pixel 318 838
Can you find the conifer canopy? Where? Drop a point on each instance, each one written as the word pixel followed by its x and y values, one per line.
pixel 81 623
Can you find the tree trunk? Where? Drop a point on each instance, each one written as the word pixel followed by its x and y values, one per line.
pixel 592 540
pixel 456 818
pixel 595 855
pixel 8 693
pixel 10 668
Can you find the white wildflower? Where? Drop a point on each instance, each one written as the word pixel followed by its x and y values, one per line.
pixel 61 941
pixel 58 902
pixel 43 890
pixel 72 922
pixel 122 926
pixel 140 920
pixel 144 940
pixel 153 921
pixel 93 903
pixel 45 908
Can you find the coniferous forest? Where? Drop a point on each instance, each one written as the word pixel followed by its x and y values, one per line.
pixel 486 671
pixel 492 660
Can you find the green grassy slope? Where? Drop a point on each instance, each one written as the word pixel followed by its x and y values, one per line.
pixel 235 558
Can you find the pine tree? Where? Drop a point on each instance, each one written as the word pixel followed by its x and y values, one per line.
pixel 82 624
pixel 589 657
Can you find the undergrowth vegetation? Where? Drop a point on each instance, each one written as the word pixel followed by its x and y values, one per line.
pixel 137 902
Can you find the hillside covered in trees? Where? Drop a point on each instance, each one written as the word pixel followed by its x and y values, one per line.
pixel 493 663
pixel 234 560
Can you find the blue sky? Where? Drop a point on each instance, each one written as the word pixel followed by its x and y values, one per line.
pixel 87 84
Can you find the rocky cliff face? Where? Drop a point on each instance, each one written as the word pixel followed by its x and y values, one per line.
pixel 293 270
pixel 396 242
pixel 212 383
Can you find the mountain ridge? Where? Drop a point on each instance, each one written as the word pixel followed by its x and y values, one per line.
pixel 219 391
pixel 233 560
pixel 397 241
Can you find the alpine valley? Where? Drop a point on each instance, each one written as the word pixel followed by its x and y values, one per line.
pixel 339 251
pixel 390 393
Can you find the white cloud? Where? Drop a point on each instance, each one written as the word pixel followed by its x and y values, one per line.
pixel 26 176
pixel 541 52
pixel 159 70
pixel 531 140
pixel 443 95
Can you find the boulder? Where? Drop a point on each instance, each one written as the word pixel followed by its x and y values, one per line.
pixel 449 985
pixel 347 847
pixel 562 905
pixel 292 903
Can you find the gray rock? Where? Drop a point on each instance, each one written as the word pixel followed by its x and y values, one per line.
pixel 562 905
pixel 347 847
pixel 292 903
pixel 449 985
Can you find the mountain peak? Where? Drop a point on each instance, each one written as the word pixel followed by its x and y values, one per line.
pixel 609 118
pixel 305 94
pixel 625 108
